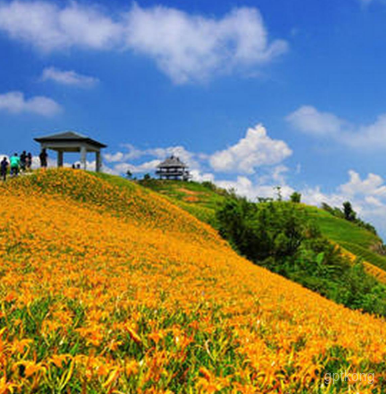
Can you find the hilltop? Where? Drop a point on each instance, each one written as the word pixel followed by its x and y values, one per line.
pixel 108 287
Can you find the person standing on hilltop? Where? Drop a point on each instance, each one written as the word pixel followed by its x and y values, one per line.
pixel 43 158
pixel 29 161
pixel 15 164
pixel 23 161
pixel 4 168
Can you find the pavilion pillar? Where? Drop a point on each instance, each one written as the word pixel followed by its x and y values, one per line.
pixel 83 153
pixel 60 158
pixel 98 161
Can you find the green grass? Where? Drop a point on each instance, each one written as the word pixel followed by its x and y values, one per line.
pixel 115 180
pixel 196 198
pixel 365 254
pixel 193 193
pixel 340 230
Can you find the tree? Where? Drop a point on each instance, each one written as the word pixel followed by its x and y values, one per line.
pixel 147 177
pixel 295 197
pixel 129 174
pixel 278 192
pixel 349 213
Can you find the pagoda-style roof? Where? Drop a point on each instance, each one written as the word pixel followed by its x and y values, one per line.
pixel 171 162
pixel 69 136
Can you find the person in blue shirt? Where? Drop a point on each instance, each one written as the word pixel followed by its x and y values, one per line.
pixel 3 168
pixel 15 164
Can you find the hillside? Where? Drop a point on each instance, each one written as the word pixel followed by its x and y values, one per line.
pixel 198 199
pixel 201 201
pixel 110 288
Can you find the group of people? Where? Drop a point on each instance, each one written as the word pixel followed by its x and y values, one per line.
pixel 22 163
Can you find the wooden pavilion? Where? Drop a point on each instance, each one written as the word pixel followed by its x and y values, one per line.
pixel 70 141
pixel 173 168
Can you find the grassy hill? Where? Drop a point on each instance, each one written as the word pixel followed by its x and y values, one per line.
pixel 201 201
pixel 108 288
pixel 357 240
pixel 198 199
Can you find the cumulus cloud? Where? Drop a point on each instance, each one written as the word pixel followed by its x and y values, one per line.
pixel 190 47
pixel 186 156
pixel 244 186
pixel 184 46
pixel 122 168
pixel 48 27
pixel 310 120
pixel 198 176
pixel 16 103
pixel 130 154
pixel 368 136
pixel 254 150
pixel 373 185
pixel 71 77
pixel 367 196
pixel 121 158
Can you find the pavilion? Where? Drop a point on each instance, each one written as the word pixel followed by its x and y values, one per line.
pixel 70 141
pixel 173 168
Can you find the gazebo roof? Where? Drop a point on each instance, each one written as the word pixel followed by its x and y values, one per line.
pixel 172 161
pixel 69 136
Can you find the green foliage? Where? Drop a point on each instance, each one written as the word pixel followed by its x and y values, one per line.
pixel 285 239
pixel 350 215
pixel 295 197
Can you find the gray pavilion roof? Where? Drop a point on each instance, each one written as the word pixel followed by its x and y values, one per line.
pixel 69 136
pixel 172 161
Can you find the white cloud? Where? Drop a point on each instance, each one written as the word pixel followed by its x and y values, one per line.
pixel 186 47
pixel 314 196
pixel 186 156
pixel 159 153
pixel 367 196
pixel 68 77
pixel 197 176
pixel 373 201
pixel 122 168
pixel 254 150
pixel 190 47
pixel 310 120
pixel 48 27
pixel 245 187
pixel 132 153
pixel 16 103
pixel 368 136
pixel 373 185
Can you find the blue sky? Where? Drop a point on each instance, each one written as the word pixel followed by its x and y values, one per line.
pixel 252 94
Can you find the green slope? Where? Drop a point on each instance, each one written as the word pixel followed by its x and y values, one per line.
pixel 202 200
pixel 340 230
pixel 353 238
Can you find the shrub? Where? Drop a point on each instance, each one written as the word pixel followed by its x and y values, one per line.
pixel 282 238
pixel 295 197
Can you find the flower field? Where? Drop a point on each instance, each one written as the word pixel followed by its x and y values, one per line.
pixel 116 290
